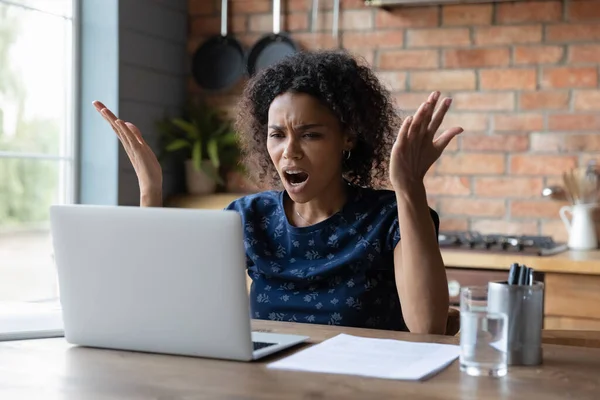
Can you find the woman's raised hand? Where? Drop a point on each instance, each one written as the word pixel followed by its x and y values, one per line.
pixel 145 163
pixel 415 149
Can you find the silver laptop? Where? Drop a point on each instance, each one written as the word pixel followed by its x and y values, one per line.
pixel 160 280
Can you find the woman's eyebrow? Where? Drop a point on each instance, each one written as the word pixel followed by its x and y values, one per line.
pixel 299 127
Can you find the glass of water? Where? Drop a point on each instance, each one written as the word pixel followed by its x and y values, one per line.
pixel 483 335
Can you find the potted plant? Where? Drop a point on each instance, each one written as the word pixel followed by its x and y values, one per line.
pixel 204 138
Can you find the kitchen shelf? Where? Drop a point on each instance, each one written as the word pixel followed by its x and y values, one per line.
pixel 413 3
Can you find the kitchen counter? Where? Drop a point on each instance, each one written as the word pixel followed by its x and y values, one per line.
pixel 569 262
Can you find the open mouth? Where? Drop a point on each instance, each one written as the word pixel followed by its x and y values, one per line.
pixel 295 177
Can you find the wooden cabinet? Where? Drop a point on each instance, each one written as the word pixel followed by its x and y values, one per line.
pixel 572 302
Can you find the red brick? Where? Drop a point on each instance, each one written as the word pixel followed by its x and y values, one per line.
pixel 452 147
pixel 504 227
pixel 410 101
pixel 508 35
pixel 249 39
pixel 350 20
pixel 584 53
pixel 439 37
pixel 583 10
pixel 556 229
pixel 314 41
pixel 200 7
pixel 410 17
pixel 205 26
pixel 538 54
pixel 574 122
pixel 586 100
pixel 569 77
pixel 470 122
pixel 484 101
pixel 453 224
pixel 541 164
pixel 443 80
pixel 572 32
pixel 584 159
pixel 366 54
pixel 264 22
pixel 544 100
pixel 247 6
pixel 373 39
pixel 449 185
pixel 393 80
pixel 408 59
pixel 508 187
pixel 472 207
pixel 535 209
pixel 518 122
pixel 535 11
pixel 495 143
pixel 547 142
pixel 475 58
pixel 297 5
pixel 587 143
pixel 502 79
pixel 208 26
pixel 467 14
pixel 471 164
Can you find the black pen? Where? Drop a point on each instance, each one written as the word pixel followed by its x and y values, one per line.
pixel 523 272
pixel 530 276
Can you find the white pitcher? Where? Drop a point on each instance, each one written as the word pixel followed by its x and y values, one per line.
pixel 581 226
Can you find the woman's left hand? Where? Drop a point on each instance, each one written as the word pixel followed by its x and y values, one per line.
pixel 415 149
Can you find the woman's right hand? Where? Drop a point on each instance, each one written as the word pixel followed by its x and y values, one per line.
pixel 145 163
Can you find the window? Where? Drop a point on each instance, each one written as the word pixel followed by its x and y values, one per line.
pixel 37 140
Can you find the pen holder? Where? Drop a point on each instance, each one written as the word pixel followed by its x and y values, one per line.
pixel 524 308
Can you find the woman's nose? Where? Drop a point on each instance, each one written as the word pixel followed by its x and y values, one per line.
pixel 292 150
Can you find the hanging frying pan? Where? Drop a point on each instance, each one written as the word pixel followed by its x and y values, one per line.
pixel 220 61
pixel 273 47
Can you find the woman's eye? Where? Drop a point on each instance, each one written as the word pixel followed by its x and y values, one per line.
pixel 276 135
pixel 312 135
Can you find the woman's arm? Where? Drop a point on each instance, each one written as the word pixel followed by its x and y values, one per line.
pixel 419 269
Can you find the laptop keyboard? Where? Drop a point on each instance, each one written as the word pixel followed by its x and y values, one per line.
pixel 262 345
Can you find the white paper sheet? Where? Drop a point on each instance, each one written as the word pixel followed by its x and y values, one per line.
pixel 378 358
pixel 21 320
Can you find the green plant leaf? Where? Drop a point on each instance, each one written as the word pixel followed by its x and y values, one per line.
pixel 212 149
pixel 187 127
pixel 177 144
pixel 228 139
pixel 197 155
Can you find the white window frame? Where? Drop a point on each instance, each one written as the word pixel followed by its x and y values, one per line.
pixel 68 181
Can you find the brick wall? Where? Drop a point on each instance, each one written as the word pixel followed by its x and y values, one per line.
pixel 523 75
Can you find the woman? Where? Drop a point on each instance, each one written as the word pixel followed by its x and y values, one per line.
pixel 328 247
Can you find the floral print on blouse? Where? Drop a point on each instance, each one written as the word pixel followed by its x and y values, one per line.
pixel 338 272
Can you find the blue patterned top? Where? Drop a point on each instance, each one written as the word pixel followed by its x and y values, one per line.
pixel 338 272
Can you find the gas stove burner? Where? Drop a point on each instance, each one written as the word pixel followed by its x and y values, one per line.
pixel 470 240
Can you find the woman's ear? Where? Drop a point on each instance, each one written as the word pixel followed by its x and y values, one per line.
pixel 349 141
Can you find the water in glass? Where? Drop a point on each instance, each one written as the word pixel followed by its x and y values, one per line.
pixel 483 335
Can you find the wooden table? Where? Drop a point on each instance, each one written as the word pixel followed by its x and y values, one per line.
pixel 51 369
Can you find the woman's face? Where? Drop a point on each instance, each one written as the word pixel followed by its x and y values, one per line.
pixel 306 145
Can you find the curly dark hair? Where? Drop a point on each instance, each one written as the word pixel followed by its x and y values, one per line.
pixel 349 88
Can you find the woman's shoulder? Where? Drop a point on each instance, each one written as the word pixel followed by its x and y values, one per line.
pixel 382 202
pixel 255 201
pixel 372 198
